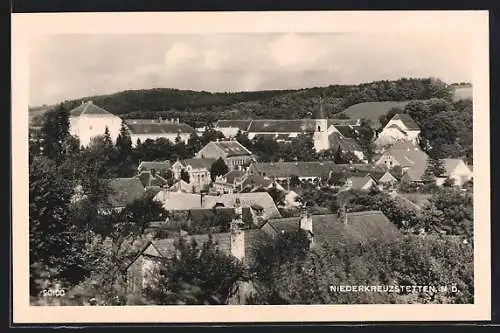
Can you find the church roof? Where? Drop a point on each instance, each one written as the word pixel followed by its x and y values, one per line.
pixel 88 108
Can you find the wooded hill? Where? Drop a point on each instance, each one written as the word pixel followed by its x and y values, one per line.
pixel 200 108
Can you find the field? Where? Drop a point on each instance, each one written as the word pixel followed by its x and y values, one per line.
pixel 372 110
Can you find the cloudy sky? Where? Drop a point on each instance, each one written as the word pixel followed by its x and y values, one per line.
pixel 72 66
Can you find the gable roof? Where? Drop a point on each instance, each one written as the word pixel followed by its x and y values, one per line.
pixel 158 128
pixel 124 190
pixel 89 108
pixel 166 247
pixel 149 180
pixel 359 182
pixel 179 201
pixel 387 177
pixel 397 127
pixel 345 144
pixel 157 165
pixel 199 215
pixel 361 227
pixel 451 163
pixel 300 169
pixel 233 175
pixel 231 148
pixel 198 163
pixel 407 121
pixel 346 131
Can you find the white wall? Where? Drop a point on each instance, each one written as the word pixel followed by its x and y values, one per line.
pixel 228 132
pixel 461 174
pixel 88 126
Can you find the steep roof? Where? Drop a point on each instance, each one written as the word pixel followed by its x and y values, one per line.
pixel 88 108
pixel 345 144
pixel 167 246
pixel 199 215
pixel 451 163
pixel 359 182
pixel 149 180
pixel 414 159
pixel 262 199
pixel 198 163
pixel 398 128
pixel 158 128
pixel 387 177
pixel 233 175
pixel 346 131
pixel 361 227
pixel 173 201
pixel 156 165
pixel 407 121
pixel 231 148
pixel 125 190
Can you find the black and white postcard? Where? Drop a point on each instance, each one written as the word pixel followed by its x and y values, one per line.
pixel 250 166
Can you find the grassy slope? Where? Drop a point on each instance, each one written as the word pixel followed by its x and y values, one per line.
pixel 372 110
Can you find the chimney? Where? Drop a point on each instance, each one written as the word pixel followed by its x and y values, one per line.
pixel 153 172
pixel 172 120
pixel 201 199
pixel 160 119
pixel 177 120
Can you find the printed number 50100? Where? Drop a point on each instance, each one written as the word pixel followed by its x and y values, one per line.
pixel 53 292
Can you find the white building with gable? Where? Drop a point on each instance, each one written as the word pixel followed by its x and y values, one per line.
pixel 89 120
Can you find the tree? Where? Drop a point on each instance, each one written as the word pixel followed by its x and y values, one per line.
pixel 185 176
pixel 277 195
pixel 51 234
pixel 218 168
pixel 144 210
pixel 243 139
pixel 55 132
pixel 124 142
pixel 385 118
pixel 210 274
pixel 450 211
pixel 194 144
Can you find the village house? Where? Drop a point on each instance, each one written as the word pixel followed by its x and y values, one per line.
pixel 161 167
pixel 151 178
pixel 457 170
pixel 336 230
pixel 401 127
pixel 359 183
pixel 260 202
pixel 88 121
pixel 387 179
pixel 411 159
pixel 144 129
pixel 233 153
pixel 324 131
pixel 229 182
pixel 198 170
pixel 123 192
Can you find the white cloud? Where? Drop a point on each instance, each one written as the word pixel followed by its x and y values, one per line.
pixel 179 54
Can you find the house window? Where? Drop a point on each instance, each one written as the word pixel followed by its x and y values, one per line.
pixel 90 127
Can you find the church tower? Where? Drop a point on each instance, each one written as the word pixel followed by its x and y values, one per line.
pixel 320 137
